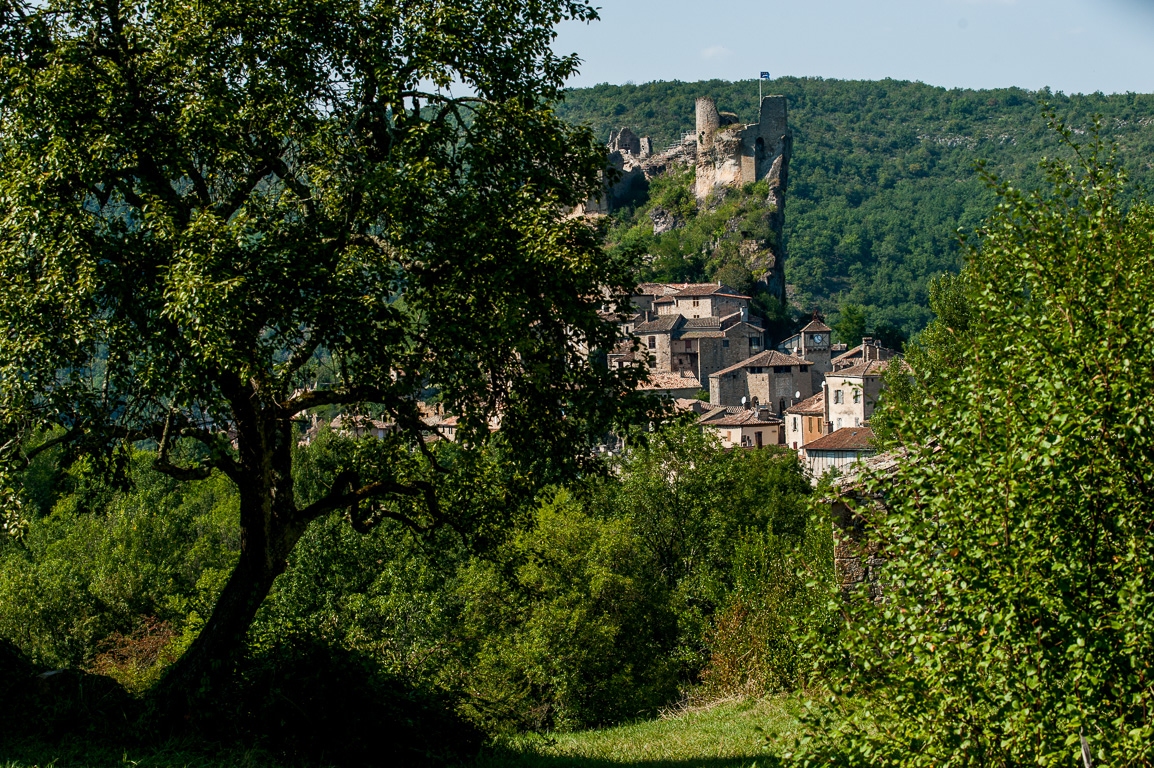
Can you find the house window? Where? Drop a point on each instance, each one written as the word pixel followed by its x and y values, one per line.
pixel 837 398
pixel 695 304
pixel 856 396
pixel 725 343
pixel 653 342
pixel 781 369
pixel 794 423
pixel 839 423
pixel 804 368
pixel 856 421
pixel 688 346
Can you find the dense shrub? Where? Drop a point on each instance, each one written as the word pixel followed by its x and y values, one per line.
pixel 1017 619
pixel 573 628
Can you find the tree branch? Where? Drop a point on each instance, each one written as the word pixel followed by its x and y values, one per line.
pixel 345 494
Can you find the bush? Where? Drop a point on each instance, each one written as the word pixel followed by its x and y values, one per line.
pixel 307 700
pixel 758 637
pixel 1016 619
pixel 573 629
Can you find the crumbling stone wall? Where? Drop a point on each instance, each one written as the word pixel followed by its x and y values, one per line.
pixel 856 560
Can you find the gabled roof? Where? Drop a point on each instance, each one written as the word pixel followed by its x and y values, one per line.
pixel 663 324
pixel 754 417
pixel 650 289
pixel 844 439
pixel 766 358
pixel 816 326
pixel 809 406
pixel 703 322
pixel 871 368
pixel 702 289
pixel 669 380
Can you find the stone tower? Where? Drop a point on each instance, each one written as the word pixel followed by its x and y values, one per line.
pixel 730 155
pixel 708 121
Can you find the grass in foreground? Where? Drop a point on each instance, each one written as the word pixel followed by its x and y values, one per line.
pixel 725 734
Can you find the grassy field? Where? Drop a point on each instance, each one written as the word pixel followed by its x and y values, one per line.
pixel 725 734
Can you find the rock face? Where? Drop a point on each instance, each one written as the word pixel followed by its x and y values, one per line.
pixel 731 154
pixel 663 220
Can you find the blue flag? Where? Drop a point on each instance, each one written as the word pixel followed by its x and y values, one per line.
pixel 764 75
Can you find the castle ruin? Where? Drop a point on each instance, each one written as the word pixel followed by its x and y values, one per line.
pixel 732 154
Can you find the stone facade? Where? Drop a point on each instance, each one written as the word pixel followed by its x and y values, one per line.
pixel 853 393
pixel 697 346
pixel 770 379
pixel 812 343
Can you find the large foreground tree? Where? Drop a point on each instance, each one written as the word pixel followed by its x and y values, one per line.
pixel 204 203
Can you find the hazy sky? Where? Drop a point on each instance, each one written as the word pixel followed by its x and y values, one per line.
pixel 1074 46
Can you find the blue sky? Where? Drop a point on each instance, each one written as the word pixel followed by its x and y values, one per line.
pixel 1074 46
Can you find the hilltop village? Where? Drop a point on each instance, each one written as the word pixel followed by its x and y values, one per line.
pixel 699 341
pixel 705 352
pixel 700 344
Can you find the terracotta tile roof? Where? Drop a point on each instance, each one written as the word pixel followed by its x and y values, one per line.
pixel 844 439
pixel 872 368
pixel 719 411
pixel 664 300
pixel 816 326
pixel 703 322
pixel 707 289
pixel 754 417
pixel 690 404
pixel 701 335
pixel 650 289
pixel 766 358
pixel 663 324
pixel 695 289
pixel 810 406
pixel 669 380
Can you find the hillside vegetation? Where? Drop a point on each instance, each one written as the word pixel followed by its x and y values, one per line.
pixel 883 175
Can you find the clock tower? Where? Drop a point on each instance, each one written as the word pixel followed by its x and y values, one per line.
pixel 815 347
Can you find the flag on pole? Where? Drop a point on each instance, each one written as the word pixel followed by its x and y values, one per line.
pixel 765 76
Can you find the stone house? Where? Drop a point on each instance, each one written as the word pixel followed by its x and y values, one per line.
pixel 742 428
pixel 704 300
pixel 805 421
pixel 852 393
pixel 839 450
pixel 869 349
pixel 696 346
pixel 771 379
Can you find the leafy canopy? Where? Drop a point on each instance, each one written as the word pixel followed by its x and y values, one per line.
pixel 215 217
pixel 1016 618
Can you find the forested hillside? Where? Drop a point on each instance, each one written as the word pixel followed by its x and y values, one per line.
pixel 883 173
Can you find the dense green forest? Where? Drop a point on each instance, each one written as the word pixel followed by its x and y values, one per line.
pixel 599 601
pixel 883 173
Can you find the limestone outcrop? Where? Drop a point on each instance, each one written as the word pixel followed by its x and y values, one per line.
pixel 732 154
